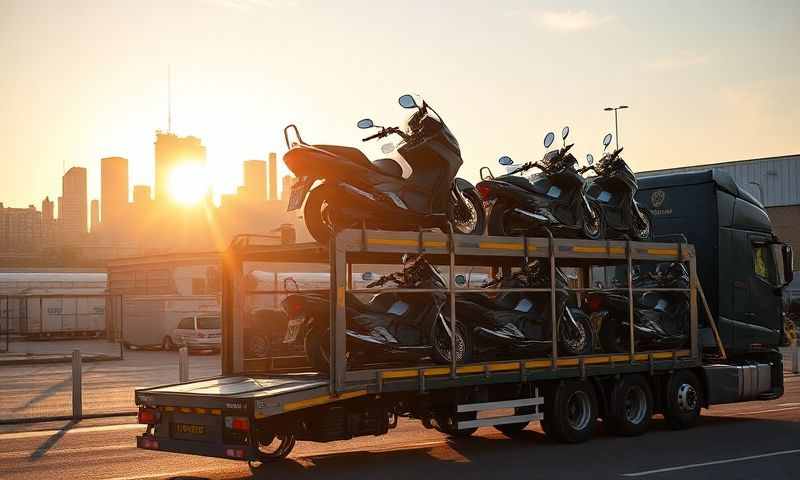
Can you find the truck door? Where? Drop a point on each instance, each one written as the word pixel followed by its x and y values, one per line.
pixel 763 315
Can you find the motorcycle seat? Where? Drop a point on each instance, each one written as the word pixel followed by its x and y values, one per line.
pixel 386 166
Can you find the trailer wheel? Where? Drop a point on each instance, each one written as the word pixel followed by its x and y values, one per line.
pixel 272 448
pixel 317 345
pixel 683 399
pixel 447 423
pixel 570 411
pixel 630 407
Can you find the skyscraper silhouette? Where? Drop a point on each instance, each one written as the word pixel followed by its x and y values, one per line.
pixel 73 212
pixel 113 190
pixel 255 180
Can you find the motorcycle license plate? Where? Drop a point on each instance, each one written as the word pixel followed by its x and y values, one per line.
pixel 293 329
pixel 299 191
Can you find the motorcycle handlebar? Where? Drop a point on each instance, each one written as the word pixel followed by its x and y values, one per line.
pixel 385 132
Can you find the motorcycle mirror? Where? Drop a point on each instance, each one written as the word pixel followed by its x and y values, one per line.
pixel 367 276
pixel 460 280
pixel 505 160
pixel 564 133
pixel 407 101
pixel 548 139
pixel 589 159
pixel 606 141
pixel 387 148
pixel 365 123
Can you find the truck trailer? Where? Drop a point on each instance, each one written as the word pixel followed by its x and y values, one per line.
pixel 256 412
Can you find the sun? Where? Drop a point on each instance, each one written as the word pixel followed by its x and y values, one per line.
pixel 188 184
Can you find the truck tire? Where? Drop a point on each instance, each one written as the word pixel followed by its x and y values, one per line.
pixel 570 411
pixel 271 448
pixel 630 406
pixel 683 397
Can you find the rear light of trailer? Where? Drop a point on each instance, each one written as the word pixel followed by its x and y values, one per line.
pixel 241 424
pixel 149 443
pixel 149 416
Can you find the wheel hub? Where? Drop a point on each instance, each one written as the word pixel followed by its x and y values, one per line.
pixel 578 410
pixel 687 398
pixel 635 405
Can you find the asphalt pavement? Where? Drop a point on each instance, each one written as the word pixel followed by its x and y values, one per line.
pixel 748 441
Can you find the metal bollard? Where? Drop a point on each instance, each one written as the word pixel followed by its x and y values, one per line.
pixel 795 356
pixel 183 364
pixel 77 385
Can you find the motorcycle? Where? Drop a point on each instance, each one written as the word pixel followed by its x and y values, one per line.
pixel 519 323
pixel 660 319
pixel 614 189
pixel 389 327
pixel 554 199
pixel 356 192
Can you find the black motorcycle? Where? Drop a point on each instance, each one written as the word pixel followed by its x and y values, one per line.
pixel 614 189
pixel 356 192
pixel 660 319
pixel 513 324
pixel 389 327
pixel 554 199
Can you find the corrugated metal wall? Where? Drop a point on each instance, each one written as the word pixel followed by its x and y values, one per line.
pixel 778 177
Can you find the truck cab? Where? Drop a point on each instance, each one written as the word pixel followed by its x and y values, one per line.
pixel 742 266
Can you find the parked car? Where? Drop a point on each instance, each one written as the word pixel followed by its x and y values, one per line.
pixel 196 333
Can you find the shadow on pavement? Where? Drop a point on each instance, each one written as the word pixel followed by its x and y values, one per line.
pixel 532 455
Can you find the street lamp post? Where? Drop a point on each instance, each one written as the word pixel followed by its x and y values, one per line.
pixel 616 122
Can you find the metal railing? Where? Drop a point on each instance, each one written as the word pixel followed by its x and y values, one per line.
pixel 77 382
pixel 372 248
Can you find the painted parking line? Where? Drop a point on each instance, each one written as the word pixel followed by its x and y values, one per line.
pixel 715 462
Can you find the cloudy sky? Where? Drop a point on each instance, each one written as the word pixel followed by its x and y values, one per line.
pixel 706 81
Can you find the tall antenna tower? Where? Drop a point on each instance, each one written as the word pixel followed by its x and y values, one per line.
pixel 169 98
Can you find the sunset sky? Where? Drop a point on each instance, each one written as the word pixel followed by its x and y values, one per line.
pixel 706 82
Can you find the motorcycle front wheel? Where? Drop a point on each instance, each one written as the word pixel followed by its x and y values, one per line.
pixel 469 218
pixel 575 339
pixel 593 223
pixel 442 345
pixel 642 228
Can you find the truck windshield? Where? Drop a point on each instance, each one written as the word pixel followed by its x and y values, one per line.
pixel 766 264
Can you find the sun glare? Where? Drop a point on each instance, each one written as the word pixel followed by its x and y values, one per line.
pixel 188 184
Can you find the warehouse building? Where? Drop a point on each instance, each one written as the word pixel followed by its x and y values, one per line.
pixel 774 181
